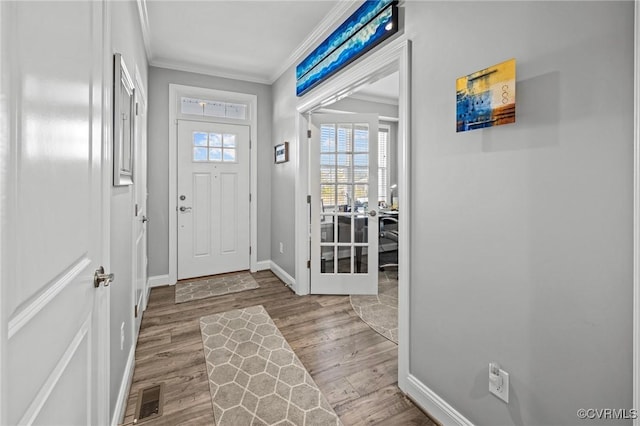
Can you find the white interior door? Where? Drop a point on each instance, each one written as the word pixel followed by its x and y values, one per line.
pixel 54 319
pixel 140 218
pixel 213 198
pixel 344 203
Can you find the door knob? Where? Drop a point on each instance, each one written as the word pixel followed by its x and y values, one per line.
pixel 99 277
pixel 372 213
pixel 185 209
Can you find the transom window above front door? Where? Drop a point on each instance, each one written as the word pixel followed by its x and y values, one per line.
pixel 214 147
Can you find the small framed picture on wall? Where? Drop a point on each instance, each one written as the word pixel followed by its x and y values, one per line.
pixel 281 153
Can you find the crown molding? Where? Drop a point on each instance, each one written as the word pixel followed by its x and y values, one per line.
pixel 212 71
pixel 144 26
pixel 328 23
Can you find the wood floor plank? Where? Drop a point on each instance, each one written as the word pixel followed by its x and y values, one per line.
pixel 354 367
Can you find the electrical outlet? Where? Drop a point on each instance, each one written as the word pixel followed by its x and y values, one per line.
pixel 498 382
pixel 122 336
pixel 281 247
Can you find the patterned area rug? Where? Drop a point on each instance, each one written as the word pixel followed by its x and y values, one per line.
pixel 380 312
pixel 214 286
pixel 255 378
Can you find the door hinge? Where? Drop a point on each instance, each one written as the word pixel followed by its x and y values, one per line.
pixel 309 134
pixel 135 311
pixel 308 264
pixel 249 197
pixel 249 249
pixel 249 143
pixel 137 113
pixel 308 199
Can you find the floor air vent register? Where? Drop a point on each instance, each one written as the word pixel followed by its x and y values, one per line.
pixel 149 404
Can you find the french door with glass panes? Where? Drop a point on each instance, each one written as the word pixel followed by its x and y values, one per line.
pixel 344 203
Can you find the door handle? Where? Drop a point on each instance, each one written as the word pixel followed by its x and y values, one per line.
pixel 99 277
pixel 185 209
pixel 145 219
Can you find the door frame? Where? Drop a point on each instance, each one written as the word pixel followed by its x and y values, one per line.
pixel 175 91
pixel 636 213
pixel 394 56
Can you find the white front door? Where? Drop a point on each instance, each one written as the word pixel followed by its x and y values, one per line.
pixel 344 203
pixel 213 198
pixel 54 329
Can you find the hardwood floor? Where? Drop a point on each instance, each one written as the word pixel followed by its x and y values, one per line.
pixel 354 367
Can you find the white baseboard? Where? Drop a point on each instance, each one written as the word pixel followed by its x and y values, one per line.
pixel 159 280
pixel 262 265
pixel 125 386
pixel 437 407
pixel 282 274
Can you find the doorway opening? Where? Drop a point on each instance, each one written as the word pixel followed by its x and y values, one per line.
pixel 389 59
pixel 207 106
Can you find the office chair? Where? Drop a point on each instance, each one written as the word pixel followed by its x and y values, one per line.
pixel 388 236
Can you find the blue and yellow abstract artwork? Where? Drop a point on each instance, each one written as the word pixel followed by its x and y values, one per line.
pixel 486 98
pixel 371 24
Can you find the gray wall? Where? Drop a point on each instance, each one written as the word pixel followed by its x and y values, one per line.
pixel 283 174
pixel 126 38
pixel 158 158
pixel 522 234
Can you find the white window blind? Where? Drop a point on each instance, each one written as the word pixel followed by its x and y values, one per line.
pixel 383 164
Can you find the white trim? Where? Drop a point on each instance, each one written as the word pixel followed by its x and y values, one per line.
pixel 434 405
pixel 404 206
pixel 159 281
pixel 337 111
pixel 328 23
pixel 6 29
pixel 103 314
pixel 144 26
pixel 636 215
pixel 176 90
pixel 208 70
pixel 31 413
pixel 263 265
pixel 125 387
pixel 283 275
pixel 25 315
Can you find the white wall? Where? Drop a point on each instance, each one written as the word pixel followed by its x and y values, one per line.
pixel 522 238
pixel 522 234
pixel 126 38
pixel 158 158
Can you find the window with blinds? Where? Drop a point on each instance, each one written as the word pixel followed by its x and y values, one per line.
pixel 383 164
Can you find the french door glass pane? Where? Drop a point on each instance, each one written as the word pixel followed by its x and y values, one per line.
pixel 345 138
pixel 328 138
pixel 361 138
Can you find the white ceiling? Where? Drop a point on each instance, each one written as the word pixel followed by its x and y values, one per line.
pixel 247 40
pixel 385 90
